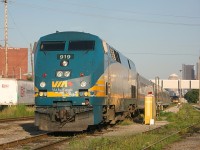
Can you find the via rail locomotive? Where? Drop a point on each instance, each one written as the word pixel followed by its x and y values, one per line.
pixel 81 81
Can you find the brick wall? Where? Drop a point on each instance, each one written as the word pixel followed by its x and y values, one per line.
pixel 17 62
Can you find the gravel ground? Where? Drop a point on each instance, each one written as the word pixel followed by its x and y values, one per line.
pixel 133 129
pixel 138 128
pixel 12 131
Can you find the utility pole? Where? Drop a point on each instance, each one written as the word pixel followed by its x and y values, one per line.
pixel 199 78
pixel 180 85
pixel 6 36
pixel 31 54
pixel 156 88
pixel 20 73
pixel 158 105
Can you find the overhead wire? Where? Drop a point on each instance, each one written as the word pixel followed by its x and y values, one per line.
pixel 22 35
pixel 145 53
pixel 128 11
pixel 134 12
pixel 100 16
pixel 105 17
pixel 21 60
pixel 17 27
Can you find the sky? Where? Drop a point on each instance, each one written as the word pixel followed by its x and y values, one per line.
pixel 157 35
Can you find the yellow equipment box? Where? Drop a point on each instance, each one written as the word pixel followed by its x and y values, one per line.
pixel 150 109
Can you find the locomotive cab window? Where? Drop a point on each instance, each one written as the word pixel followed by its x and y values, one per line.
pixel 115 55
pixel 81 45
pixel 52 46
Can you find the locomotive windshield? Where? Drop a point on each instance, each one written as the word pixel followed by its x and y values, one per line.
pixel 52 46
pixel 81 45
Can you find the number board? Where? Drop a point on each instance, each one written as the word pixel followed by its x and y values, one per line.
pixel 65 56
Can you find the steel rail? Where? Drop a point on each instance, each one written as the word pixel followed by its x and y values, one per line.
pixel 16 119
pixel 23 141
pixel 53 144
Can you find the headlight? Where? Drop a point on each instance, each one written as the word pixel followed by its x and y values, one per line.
pixel 81 94
pixel 64 63
pixel 42 84
pixel 59 74
pixel 67 73
pixel 83 83
pixel 85 93
pixel 41 93
pixel 45 93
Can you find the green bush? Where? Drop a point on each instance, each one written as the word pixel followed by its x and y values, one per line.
pixel 192 96
pixel 17 111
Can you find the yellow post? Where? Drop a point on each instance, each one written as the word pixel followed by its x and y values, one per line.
pixel 150 109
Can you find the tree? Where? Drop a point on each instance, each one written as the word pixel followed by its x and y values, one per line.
pixel 192 96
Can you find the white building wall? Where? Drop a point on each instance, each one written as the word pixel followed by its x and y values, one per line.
pixel 195 84
pixel 185 84
pixel 174 84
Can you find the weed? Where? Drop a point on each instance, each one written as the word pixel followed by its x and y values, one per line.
pixel 17 111
pixel 127 121
pixel 185 117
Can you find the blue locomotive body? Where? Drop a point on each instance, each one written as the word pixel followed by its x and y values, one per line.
pixel 81 81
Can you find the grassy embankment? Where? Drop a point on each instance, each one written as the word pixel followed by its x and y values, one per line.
pixel 185 117
pixel 16 111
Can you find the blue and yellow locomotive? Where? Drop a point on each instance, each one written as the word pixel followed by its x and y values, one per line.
pixel 82 81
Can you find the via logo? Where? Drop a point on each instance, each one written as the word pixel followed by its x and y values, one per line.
pixel 59 84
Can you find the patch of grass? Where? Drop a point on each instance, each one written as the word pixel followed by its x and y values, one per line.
pixel 17 111
pixel 185 117
pixel 127 121
pixel 166 142
pixel 166 116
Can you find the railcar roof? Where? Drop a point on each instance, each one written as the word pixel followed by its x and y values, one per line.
pixel 71 33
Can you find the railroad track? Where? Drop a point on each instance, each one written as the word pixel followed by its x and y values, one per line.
pixel 16 119
pixel 168 136
pixel 48 140
pixel 22 141
pixel 53 144
pixel 196 107
pixel 97 132
pixel 38 142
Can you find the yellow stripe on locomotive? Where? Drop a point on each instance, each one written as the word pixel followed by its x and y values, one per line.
pixel 98 90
